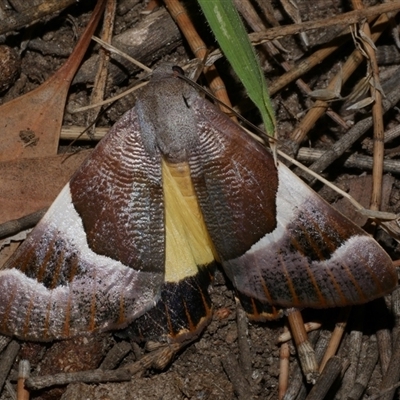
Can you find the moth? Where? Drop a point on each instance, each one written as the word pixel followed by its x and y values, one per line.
pixel 173 190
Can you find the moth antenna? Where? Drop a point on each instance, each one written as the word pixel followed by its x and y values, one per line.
pixel 180 74
pixel 69 147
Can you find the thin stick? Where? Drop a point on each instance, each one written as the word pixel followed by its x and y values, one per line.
pixel 14 226
pixel 354 350
pixel 23 374
pixel 393 372
pixel 308 63
pixel 307 155
pixel 284 355
pixel 336 337
pixel 348 18
pixel 90 376
pixel 102 65
pixel 10 389
pixel 234 373
pixel 157 359
pixel 308 171
pixel 338 148
pixel 252 18
pixel 113 49
pixel 377 114
pixel 304 349
pixel 34 14
pixel 383 335
pixel 308 326
pixel 369 357
pixel 4 341
pixel 396 312
pixel 109 100
pixel 7 360
pixel 326 379
pixel 353 61
pixel 243 343
pixel 115 355
pixel 297 388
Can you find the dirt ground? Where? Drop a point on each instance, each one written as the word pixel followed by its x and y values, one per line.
pixel 212 366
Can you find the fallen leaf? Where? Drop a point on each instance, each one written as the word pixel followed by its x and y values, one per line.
pixel 30 124
pixel 28 185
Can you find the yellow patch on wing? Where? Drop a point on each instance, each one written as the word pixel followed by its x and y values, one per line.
pixel 187 242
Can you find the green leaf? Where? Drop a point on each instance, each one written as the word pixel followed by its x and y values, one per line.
pixel 232 37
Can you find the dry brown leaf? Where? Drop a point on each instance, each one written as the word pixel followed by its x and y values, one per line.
pixel 31 124
pixel 360 189
pixel 27 185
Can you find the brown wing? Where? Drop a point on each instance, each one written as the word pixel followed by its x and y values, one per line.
pixel 96 260
pixel 279 242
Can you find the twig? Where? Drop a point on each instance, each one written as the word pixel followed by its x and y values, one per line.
pixel 392 133
pixel 234 373
pixel 304 349
pixel 377 114
pixel 253 19
pixel 354 349
pixel 284 354
pixel 7 360
pixel 353 61
pixel 102 65
pixel 256 23
pixel 23 374
pixel 396 312
pixel 152 38
pixel 327 378
pixel 386 219
pixel 137 351
pixel 393 372
pixel 243 343
pixel 125 6
pixel 369 356
pixel 308 326
pixel 113 50
pixel 14 226
pixel 362 162
pixel 109 100
pixel 10 389
pixel 297 384
pixel 73 132
pixel 90 376
pixel 322 344
pixel 308 63
pixel 349 18
pixel 297 389
pixel 381 321
pixel 4 341
pixel 336 337
pixel 34 14
pixel 385 348
pixel 158 359
pixel 115 355
pixel 338 148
